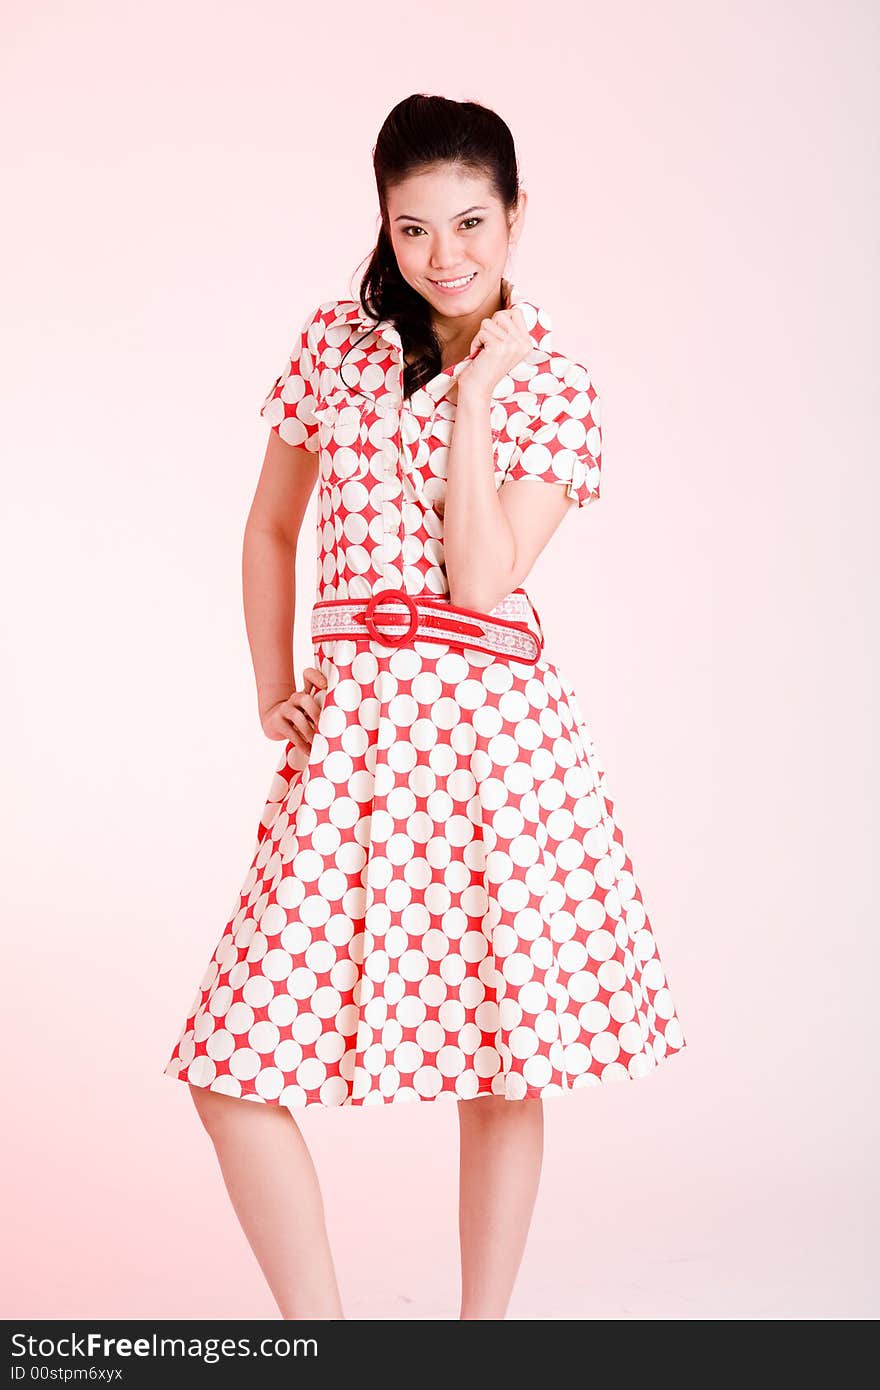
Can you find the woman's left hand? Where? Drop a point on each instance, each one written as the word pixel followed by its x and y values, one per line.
pixel 503 340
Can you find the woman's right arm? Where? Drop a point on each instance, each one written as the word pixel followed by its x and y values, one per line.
pixel 271 533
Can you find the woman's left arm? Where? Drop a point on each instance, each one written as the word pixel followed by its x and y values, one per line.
pixel 491 537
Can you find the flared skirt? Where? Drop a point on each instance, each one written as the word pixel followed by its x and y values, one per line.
pixel 439 904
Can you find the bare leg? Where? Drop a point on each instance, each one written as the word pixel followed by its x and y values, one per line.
pixel 271 1180
pixel 501 1147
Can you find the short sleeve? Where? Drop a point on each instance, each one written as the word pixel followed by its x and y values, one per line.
pixel 563 444
pixel 289 406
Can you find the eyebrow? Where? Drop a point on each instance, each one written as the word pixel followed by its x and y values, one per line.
pixel 406 217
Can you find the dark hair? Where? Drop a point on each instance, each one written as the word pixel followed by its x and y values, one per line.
pixel 418 132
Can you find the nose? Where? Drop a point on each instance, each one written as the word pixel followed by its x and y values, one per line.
pixel 443 253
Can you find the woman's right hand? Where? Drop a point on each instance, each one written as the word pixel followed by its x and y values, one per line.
pixel 295 717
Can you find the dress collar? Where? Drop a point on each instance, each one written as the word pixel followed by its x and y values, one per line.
pixel 537 321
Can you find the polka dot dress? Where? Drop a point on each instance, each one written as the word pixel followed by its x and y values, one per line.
pixel 439 903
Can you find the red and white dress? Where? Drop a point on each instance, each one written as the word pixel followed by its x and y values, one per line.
pixel 440 903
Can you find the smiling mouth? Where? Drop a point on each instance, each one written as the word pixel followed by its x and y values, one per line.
pixel 454 284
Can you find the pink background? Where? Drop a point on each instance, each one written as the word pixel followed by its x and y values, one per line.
pixel 183 186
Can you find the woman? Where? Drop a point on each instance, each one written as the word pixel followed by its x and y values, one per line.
pixel 440 904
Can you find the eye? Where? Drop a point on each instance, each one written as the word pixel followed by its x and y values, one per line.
pixel 468 222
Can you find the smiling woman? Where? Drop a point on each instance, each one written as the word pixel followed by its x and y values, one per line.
pixel 439 903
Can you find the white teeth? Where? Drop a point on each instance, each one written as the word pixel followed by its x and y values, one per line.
pixel 453 284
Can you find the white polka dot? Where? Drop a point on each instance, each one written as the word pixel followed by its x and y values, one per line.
pixel 244 1064
pixel 604 1047
pixel 263 1036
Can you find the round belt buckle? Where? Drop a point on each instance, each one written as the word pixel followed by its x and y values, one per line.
pixel 382 596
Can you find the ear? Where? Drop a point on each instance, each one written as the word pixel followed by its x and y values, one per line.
pixel 519 217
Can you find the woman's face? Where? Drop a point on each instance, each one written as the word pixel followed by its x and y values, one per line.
pixel 447 224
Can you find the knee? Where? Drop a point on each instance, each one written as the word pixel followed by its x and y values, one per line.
pixel 228 1116
pixel 491 1106
pixel 213 1107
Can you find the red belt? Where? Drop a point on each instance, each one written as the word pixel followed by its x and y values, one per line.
pixel 427 618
